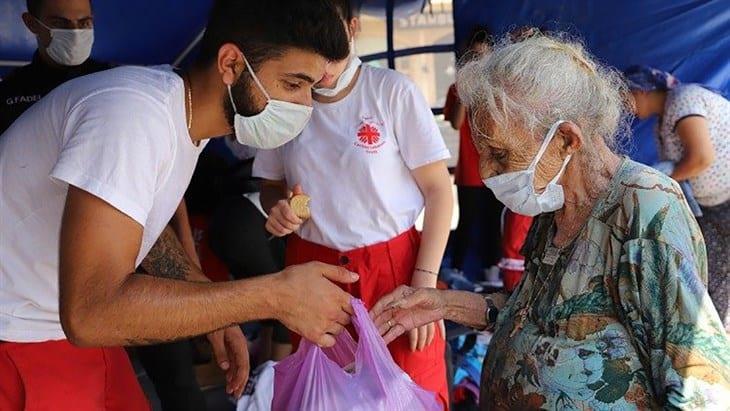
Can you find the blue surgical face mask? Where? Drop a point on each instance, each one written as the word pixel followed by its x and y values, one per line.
pixel 516 190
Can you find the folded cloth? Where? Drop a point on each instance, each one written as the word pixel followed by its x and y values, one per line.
pixel 456 280
pixel 259 390
pixel 667 167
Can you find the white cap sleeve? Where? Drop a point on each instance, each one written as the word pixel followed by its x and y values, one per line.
pixel 686 101
pixel 117 146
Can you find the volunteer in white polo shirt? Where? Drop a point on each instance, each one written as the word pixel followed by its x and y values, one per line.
pixel 371 157
pixel 92 174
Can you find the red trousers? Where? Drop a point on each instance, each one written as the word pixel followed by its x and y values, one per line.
pixel 55 375
pixel 516 228
pixel 383 267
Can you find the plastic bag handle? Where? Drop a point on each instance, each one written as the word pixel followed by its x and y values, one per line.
pixel 370 345
pixel 311 380
pixel 369 349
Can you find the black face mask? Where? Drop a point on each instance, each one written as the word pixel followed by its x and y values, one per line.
pixel 242 91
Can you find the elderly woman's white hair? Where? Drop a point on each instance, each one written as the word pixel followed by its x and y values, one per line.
pixel 537 81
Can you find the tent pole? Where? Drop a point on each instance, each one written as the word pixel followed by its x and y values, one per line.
pixel 188 49
pixel 13 63
pixel 389 12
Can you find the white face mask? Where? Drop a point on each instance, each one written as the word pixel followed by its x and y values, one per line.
pixel 516 190
pixel 345 78
pixel 69 47
pixel 276 125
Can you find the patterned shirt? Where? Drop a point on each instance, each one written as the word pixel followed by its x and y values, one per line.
pixel 620 319
pixel 712 187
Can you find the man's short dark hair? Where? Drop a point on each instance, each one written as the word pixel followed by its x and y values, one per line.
pixel 34 7
pixel 344 7
pixel 263 29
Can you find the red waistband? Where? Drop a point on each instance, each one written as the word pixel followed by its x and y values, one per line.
pixel 331 255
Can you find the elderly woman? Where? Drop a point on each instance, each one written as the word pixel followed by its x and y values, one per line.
pixel 693 135
pixel 612 312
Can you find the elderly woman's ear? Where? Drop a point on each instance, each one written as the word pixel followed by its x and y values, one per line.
pixel 572 138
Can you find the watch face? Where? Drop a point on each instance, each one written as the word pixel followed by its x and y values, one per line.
pixel 493 313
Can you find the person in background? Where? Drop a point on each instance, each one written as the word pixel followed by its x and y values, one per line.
pixel 91 176
pixel 524 32
pixel 612 312
pixel 477 203
pixel 515 228
pixel 64 30
pixel 693 134
pixel 224 191
pixel 371 160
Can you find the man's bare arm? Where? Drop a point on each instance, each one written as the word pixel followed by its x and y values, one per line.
pixel 180 224
pixel 104 302
pixel 167 259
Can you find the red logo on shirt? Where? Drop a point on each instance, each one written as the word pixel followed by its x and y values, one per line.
pixel 368 134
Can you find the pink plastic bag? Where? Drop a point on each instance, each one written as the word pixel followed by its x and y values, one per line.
pixel 315 379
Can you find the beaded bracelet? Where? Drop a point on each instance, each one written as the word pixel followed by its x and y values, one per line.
pixel 426 271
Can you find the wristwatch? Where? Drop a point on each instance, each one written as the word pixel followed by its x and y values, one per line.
pixel 490 313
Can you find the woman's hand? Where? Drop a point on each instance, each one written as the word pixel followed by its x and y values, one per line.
pixel 421 337
pixel 282 220
pixel 405 309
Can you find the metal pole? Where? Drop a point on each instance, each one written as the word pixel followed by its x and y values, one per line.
pixel 188 49
pixel 389 12
pixel 13 63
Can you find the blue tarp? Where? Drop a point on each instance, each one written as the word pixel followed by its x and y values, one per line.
pixel 689 38
pixel 126 32
pixel 141 31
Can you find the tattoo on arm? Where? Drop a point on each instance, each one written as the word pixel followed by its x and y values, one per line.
pixel 166 258
pixel 130 342
pixel 154 341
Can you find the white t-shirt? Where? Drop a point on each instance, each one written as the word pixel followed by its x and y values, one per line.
pixel 354 159
pixel 119 134
pixel 259 391
pixel 712 187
